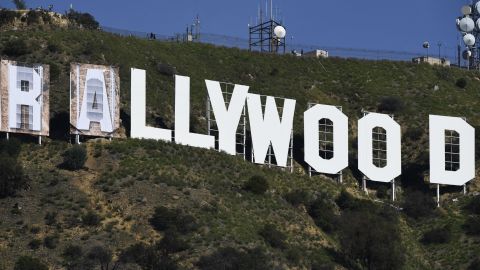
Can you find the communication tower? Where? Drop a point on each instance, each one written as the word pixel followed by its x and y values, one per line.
pixel 268 34
pixel 469 27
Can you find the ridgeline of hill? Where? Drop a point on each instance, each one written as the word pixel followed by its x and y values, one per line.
pixel 131 204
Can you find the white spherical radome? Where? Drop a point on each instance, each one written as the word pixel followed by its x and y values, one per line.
pixel 466 24
pixel 469 39
pixel 280 31
pixel 477 7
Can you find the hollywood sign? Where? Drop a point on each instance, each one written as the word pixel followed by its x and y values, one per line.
pixel 94 111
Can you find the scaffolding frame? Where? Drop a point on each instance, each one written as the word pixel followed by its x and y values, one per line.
pixel 270 159
pixel 212 128
pixel 379 155
pixel 263 39
pixel 326 131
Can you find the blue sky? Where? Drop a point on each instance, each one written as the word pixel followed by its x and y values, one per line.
pixel 372 24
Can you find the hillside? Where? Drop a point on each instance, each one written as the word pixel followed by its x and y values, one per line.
pixel 61 215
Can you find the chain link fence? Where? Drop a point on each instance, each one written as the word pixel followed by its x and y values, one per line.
pixel 243 43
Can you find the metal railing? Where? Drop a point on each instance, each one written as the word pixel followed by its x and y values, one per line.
pixel 243 43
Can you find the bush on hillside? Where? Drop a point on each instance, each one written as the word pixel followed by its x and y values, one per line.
pixel 372 238
pixel 298 197
pixel 390 105
pixel 230 258
pixel 164 219
pixel 154 256
pixel 418 204
pixel 472 225
pixel 29 263
pixel 474 206
pixel 7 16
pixel 74 158
pixel 85 20
pixel 322 211
pixel 273 236
pixel 91 219
pixel 475 264
pixel 439 235
pixel 382 192
pixel 16 48
pixel 11 176
pixel 257 184
pixel 461 83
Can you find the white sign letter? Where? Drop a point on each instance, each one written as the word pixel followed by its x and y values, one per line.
pixel 182 117
pixel 269 129
pixel 138 108
pixel 365 147
pixel 466 170
pixel 227 119
pixel 340 139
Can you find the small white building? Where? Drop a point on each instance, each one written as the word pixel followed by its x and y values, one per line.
pixel 432 61
pixel 316 54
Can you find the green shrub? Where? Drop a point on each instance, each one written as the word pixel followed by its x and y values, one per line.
pixel 7 16
pixel 257 185
pixel 16 47
pixel 418 204
pixel 11 176
pixel 20 4
pixel 51 241
pixel 35 244
pixel 232 259
pixel 91 219
pixel 322 211
pixel 461 83
pixel 390 105
pixel 475 264
pixel 29 263
pixel 298 197
pixel 172 243
pixel 74 158
pixel 85 20
pixel 164 219
pixel 382 192
pixel 273 236
pixel 414 133
pixel 50 218
pixel 72 252
pixel 438 235
pixel 473 206
pixel 472 225
pixel 371 238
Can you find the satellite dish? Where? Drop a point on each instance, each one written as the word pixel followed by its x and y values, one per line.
pixel 280 31
pixel 469 40
pixel 426 45
pixel 467 10
pixel 457 22
pixel 466 24
pixel 466 54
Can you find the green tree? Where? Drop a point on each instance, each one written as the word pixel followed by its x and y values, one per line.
pixel 29 263
pixel 11 176
pixel 75 157
pixel 20 4
pixel 257 184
